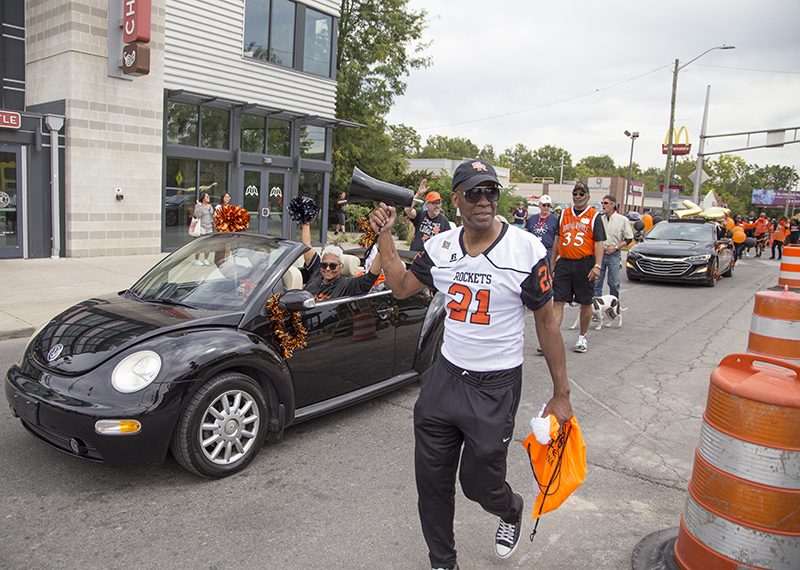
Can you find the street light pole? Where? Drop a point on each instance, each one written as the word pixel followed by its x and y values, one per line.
pixel 668 169
pixel 633 136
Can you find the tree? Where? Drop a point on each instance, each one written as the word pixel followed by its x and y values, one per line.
pixel 522 163
pixel 777 177
pixel 602 165
pixel 405 140
pixel 438 146
pixel 548 161
pixel 378 43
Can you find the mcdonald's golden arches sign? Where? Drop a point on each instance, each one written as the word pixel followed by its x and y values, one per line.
pixel 677 148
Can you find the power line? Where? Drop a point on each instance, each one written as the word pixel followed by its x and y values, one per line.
pixel 547 104
pixel 749 69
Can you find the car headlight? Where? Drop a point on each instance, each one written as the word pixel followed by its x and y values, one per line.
pixel 136 371
pixel 698 258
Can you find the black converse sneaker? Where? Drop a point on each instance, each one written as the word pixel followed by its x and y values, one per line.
pixel 507 537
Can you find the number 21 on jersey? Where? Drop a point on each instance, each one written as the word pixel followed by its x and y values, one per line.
pixel 460 309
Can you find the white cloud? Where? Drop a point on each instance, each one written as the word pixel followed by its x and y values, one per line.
pixel 576 74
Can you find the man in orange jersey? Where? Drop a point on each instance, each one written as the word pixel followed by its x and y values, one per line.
pixel 577 259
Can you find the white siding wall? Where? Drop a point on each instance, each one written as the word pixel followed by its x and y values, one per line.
pixel 203 53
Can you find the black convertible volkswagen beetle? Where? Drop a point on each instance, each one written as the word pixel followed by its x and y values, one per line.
pixel 197 359
pixel 685 251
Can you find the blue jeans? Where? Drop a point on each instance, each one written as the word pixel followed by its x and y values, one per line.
pixel 611 263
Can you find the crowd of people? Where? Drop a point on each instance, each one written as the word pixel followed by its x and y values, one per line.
pixel 491 271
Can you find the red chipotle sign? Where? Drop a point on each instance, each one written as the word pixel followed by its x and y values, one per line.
pixel 10 120
pixel 136 21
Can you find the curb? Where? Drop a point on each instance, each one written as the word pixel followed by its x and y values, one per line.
pixel 9 334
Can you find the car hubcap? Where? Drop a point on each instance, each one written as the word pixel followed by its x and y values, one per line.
pixel 229 428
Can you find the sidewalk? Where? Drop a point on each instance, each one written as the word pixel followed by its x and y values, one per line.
pixel 35 290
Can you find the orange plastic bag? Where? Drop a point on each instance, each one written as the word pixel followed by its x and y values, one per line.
pixel 558 468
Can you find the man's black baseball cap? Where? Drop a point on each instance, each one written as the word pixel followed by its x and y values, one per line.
pixel 470 174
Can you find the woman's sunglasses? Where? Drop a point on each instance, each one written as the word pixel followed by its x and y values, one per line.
pixel 473 195
pixel 329 265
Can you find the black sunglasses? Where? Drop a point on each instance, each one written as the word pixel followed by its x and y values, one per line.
pixel 579 193
pixel 329 265
pixel 473 195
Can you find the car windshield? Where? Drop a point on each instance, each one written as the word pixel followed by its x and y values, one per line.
pixel 237 265
pixel 681 232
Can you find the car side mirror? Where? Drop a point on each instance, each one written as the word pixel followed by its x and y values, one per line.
pixel 297 300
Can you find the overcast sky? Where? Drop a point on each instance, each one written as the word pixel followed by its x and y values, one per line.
pixel 576 74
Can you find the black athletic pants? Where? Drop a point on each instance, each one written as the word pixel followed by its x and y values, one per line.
pixel 475 410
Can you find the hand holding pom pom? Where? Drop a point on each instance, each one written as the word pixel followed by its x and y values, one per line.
pixel 302 209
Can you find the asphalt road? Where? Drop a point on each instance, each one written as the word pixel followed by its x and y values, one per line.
pixel 339 491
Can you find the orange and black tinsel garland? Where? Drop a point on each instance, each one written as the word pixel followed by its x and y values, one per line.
pixel 231 219
pixel 369 237
pixel 287 327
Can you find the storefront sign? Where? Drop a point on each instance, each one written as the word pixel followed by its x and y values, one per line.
pixel 677 148
pixel 136 21
pixel 10 120
pixel 136 59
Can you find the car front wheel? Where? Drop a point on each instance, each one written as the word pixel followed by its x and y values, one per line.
pixel 222 427
pixel 712 277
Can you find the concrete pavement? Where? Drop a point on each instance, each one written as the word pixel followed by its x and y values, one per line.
pixel 35 290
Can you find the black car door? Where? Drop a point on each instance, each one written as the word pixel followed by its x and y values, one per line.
pixel 350 345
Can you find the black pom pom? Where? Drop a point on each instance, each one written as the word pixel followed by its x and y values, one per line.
pixel 302 209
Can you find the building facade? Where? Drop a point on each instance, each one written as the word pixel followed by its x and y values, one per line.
pixel 239 98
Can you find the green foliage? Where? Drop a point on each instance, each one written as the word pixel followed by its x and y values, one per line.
pixel 378 41
pixel 405 140
pixel 353 215
pixel 456 148
pixel 602 165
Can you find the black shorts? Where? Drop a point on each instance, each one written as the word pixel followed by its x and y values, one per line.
pixel 571 281
pixel 761 238
pixel 340 218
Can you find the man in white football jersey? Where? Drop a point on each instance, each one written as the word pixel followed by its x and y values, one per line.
pixel 469 397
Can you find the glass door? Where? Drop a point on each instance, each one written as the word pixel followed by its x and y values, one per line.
pixel 11 215
pixel 263 193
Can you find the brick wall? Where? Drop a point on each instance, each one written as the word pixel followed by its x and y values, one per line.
pixel 113 126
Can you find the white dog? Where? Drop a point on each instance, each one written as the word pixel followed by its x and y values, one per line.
pixel 608 305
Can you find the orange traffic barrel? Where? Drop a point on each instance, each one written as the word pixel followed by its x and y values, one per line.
pixel 790 266
pixel 743 506
pixel 775 325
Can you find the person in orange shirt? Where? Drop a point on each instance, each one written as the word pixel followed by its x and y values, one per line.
pixel 761 233
pixel 749 228
pixel 576 259
pixel 778 237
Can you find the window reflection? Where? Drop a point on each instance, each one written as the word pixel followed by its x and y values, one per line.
pixel 312 142
pixel 313 184
pixel 214 128
pixel 317 43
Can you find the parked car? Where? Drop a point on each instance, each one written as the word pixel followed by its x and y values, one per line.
pixel 681 251
pixel 190 358
pixel 179 207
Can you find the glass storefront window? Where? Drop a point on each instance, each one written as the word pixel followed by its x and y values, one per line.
pixel 182 124
pixel 253 133
pixel 214 128
pixel 8 199
pixel 213 179
pixel 279 137
pixel 179 201
pixel 313 184
pixel 317 43
pixel 252 197
pixel 312 142
pixel 182 192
